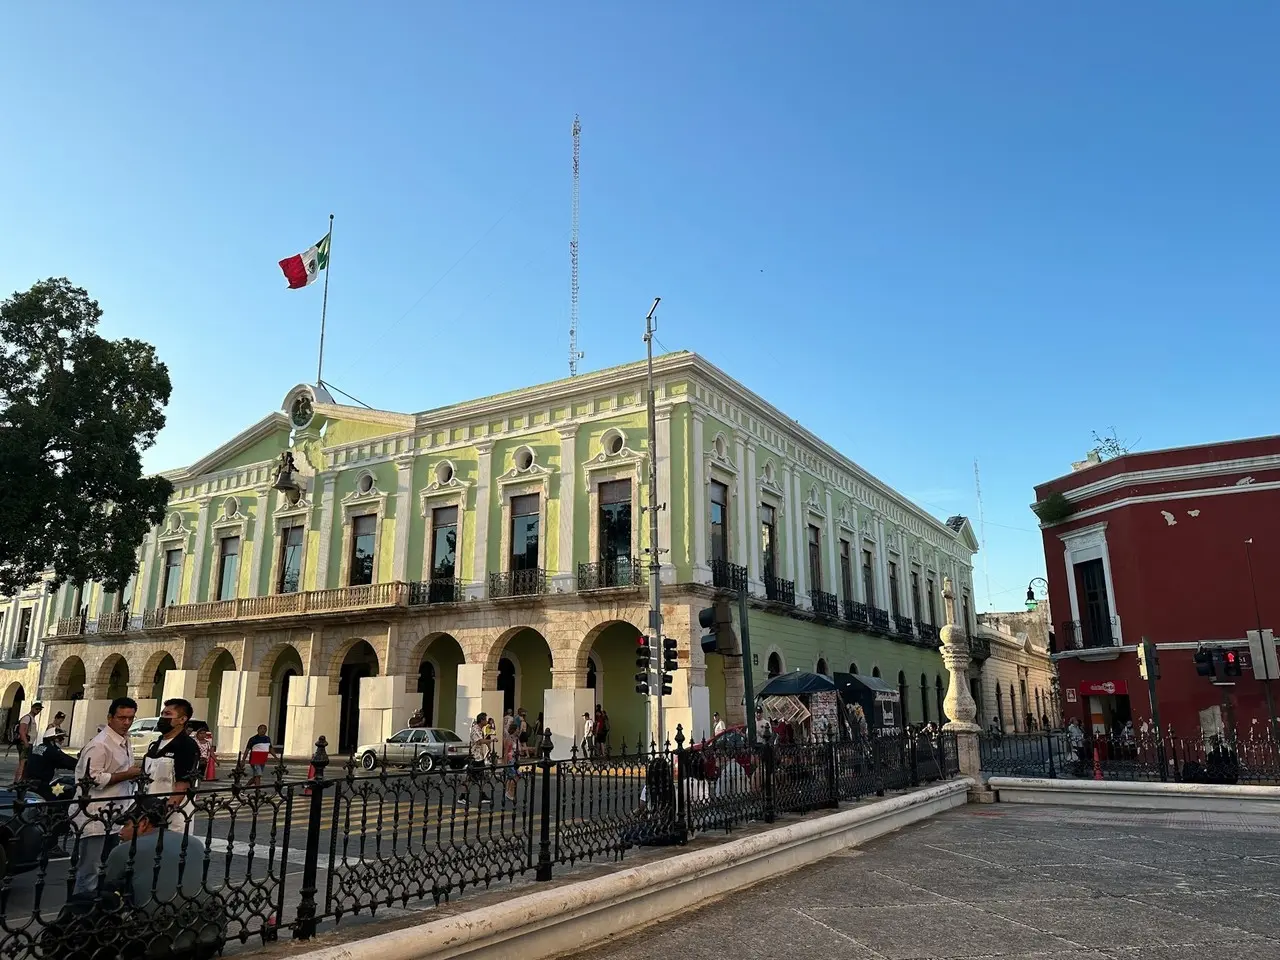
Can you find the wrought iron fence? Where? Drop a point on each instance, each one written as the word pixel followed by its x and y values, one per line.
pixel 612 572
pixel 777 590
pixel 1218 758
pixel 728 576
pixel 824 604
pixel 249 861
pixel 518 583
pixel 438 590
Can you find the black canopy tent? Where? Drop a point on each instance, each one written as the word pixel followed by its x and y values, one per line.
pixel 880 703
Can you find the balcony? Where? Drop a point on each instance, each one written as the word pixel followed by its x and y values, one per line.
pixel 979 647
pixel 878 618
pixel 339 599
pixel 437 590
pixel 856 612
pixel 777 590
pixel 904 625
pixel 1089 635
pixel 728 576
pixel 824 604
pixel 517 583
pixel 610 573
pixel 928 631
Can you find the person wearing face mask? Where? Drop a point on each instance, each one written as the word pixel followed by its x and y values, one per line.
pixel 172 764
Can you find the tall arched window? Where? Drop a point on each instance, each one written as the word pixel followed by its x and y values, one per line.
pixel 853 668
pixel 875 672
pixel 1013 708
pixel 775 665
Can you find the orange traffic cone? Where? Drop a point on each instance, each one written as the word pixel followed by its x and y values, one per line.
pixel 311 775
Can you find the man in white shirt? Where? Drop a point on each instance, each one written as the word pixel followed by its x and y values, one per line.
pixel 28 733
pixel 107 760
pixel 717 725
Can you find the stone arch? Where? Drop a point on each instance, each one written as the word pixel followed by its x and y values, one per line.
pixel 13 693
pixel 875 670
pixel 70 680
pixel 284 650
pixel 611 646
pixel 112 678
pixel 821 666
pixel 853 667
pixel 205 673
pixel 356 660
pixel 153 671
pixel 532 655
pixel 775 666
pixel 334 669
pixel 430 668
pixel 587 643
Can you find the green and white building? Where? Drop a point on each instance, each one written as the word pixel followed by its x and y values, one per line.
pixel 494 554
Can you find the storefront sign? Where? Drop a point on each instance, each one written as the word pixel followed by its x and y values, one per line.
pixel 1071 695
pixel 1105 688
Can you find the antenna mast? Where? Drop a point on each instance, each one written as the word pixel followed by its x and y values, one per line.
pixel 982 531
pixel 574 354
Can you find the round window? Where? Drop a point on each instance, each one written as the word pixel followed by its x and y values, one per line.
pixel 444 472
pixel 230 507
pixel 768 472
pixel 613 443
pixel 721 447
pixel 524 458
pixel 365 483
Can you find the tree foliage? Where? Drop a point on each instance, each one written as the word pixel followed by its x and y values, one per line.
pixel 1109 445
pixel 76 413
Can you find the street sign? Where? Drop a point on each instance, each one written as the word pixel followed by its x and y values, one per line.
pixel 1262 653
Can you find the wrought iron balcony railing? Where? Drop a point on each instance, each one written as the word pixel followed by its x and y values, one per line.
pixel 518 583
pixel 1088 635
pixel 728 576
pixel 856 612
pixel 878 618
pixel 777 590
pixel 904 625
pixel 979 647
pixel 19 651
pixel 436 590
pixel 824 604
pixel 610 572
pixel 927 631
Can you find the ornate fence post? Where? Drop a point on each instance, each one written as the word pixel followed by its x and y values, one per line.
pixel 959 702
pixel 681 826
pixel 912 759
pixel 766 755
pixel 544 828
pixel 1048 736
pixel 305 928
pixel 833 780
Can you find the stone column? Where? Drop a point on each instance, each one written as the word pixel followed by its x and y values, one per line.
pixel 473 697
pixel 856 547
pixel 788 531
pixel 478 588
pixel 959 702
pixel 885 601
pixel 182 684
pixel 566 580
pixel 312 711
pixel 385 706
pixel 194 592
pixel 754 571
pixel 261 543
pixel 662 420
pixel 321 581
pixel 400 544
pixel 832 584
pixel 698 525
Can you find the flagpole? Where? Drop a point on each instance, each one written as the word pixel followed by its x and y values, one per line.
pixel 324 304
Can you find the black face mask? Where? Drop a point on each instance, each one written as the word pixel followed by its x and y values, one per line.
pixel 164 725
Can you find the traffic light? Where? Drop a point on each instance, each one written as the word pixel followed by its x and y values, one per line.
pixel 719 621
pixel 670 664
pixel 1148 660
pixel 644 658
pixel 1204 663
pixel 1231 664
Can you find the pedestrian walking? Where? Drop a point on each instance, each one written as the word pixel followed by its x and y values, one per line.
pixel 511 759
pixel 481 749
pixel 106 761
pixel 588 734
pixel 25 733
pixel 597 731
pixel 717 725
pixel 256 753
pixel 523 733
pixel 603 742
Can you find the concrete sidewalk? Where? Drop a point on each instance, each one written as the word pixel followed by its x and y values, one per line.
pixel 1006 882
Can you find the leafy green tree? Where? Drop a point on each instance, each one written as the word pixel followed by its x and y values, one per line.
pixel 76 413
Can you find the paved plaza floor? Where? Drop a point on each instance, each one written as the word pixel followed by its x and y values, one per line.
pixel 1001 881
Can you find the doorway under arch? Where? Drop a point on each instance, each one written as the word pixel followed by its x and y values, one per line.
pixel 437 665
pixel 157 674
pixel 360 661
pixel 524 671
pixel 611 654
pixel 71 679
pixel 774 665
pixel 287 666
pixel 822 666
pixel 113 676
pixel 220 662
pixel 14 698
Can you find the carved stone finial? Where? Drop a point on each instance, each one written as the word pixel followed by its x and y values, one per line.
pixel 949 599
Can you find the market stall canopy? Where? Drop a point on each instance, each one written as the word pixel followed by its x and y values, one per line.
pixel 854 682
pixel 795 684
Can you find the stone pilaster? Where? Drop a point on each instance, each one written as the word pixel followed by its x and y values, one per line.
pixel 195 593
pixel 326 532
pixel 566 579
pixel 755 573
pixel 477 589
pixel 261 542
pixel 404 519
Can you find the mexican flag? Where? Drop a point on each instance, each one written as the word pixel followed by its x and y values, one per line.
pixel 305 268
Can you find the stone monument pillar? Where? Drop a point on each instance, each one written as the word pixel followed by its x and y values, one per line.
pixel 959 702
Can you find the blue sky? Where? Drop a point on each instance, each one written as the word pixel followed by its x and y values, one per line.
pixel 930 232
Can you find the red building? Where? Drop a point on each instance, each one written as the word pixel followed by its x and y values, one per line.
pixel 1156 545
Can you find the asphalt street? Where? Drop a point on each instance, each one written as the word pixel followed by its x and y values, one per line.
pixel 1007 882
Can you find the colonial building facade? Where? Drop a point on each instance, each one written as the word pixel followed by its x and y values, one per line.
pixel 494 554
pixel 1016 684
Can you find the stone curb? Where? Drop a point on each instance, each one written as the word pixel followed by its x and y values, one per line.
pixel 552 922
pixel 1123 794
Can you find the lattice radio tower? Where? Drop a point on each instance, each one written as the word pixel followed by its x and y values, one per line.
pixel 574 354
